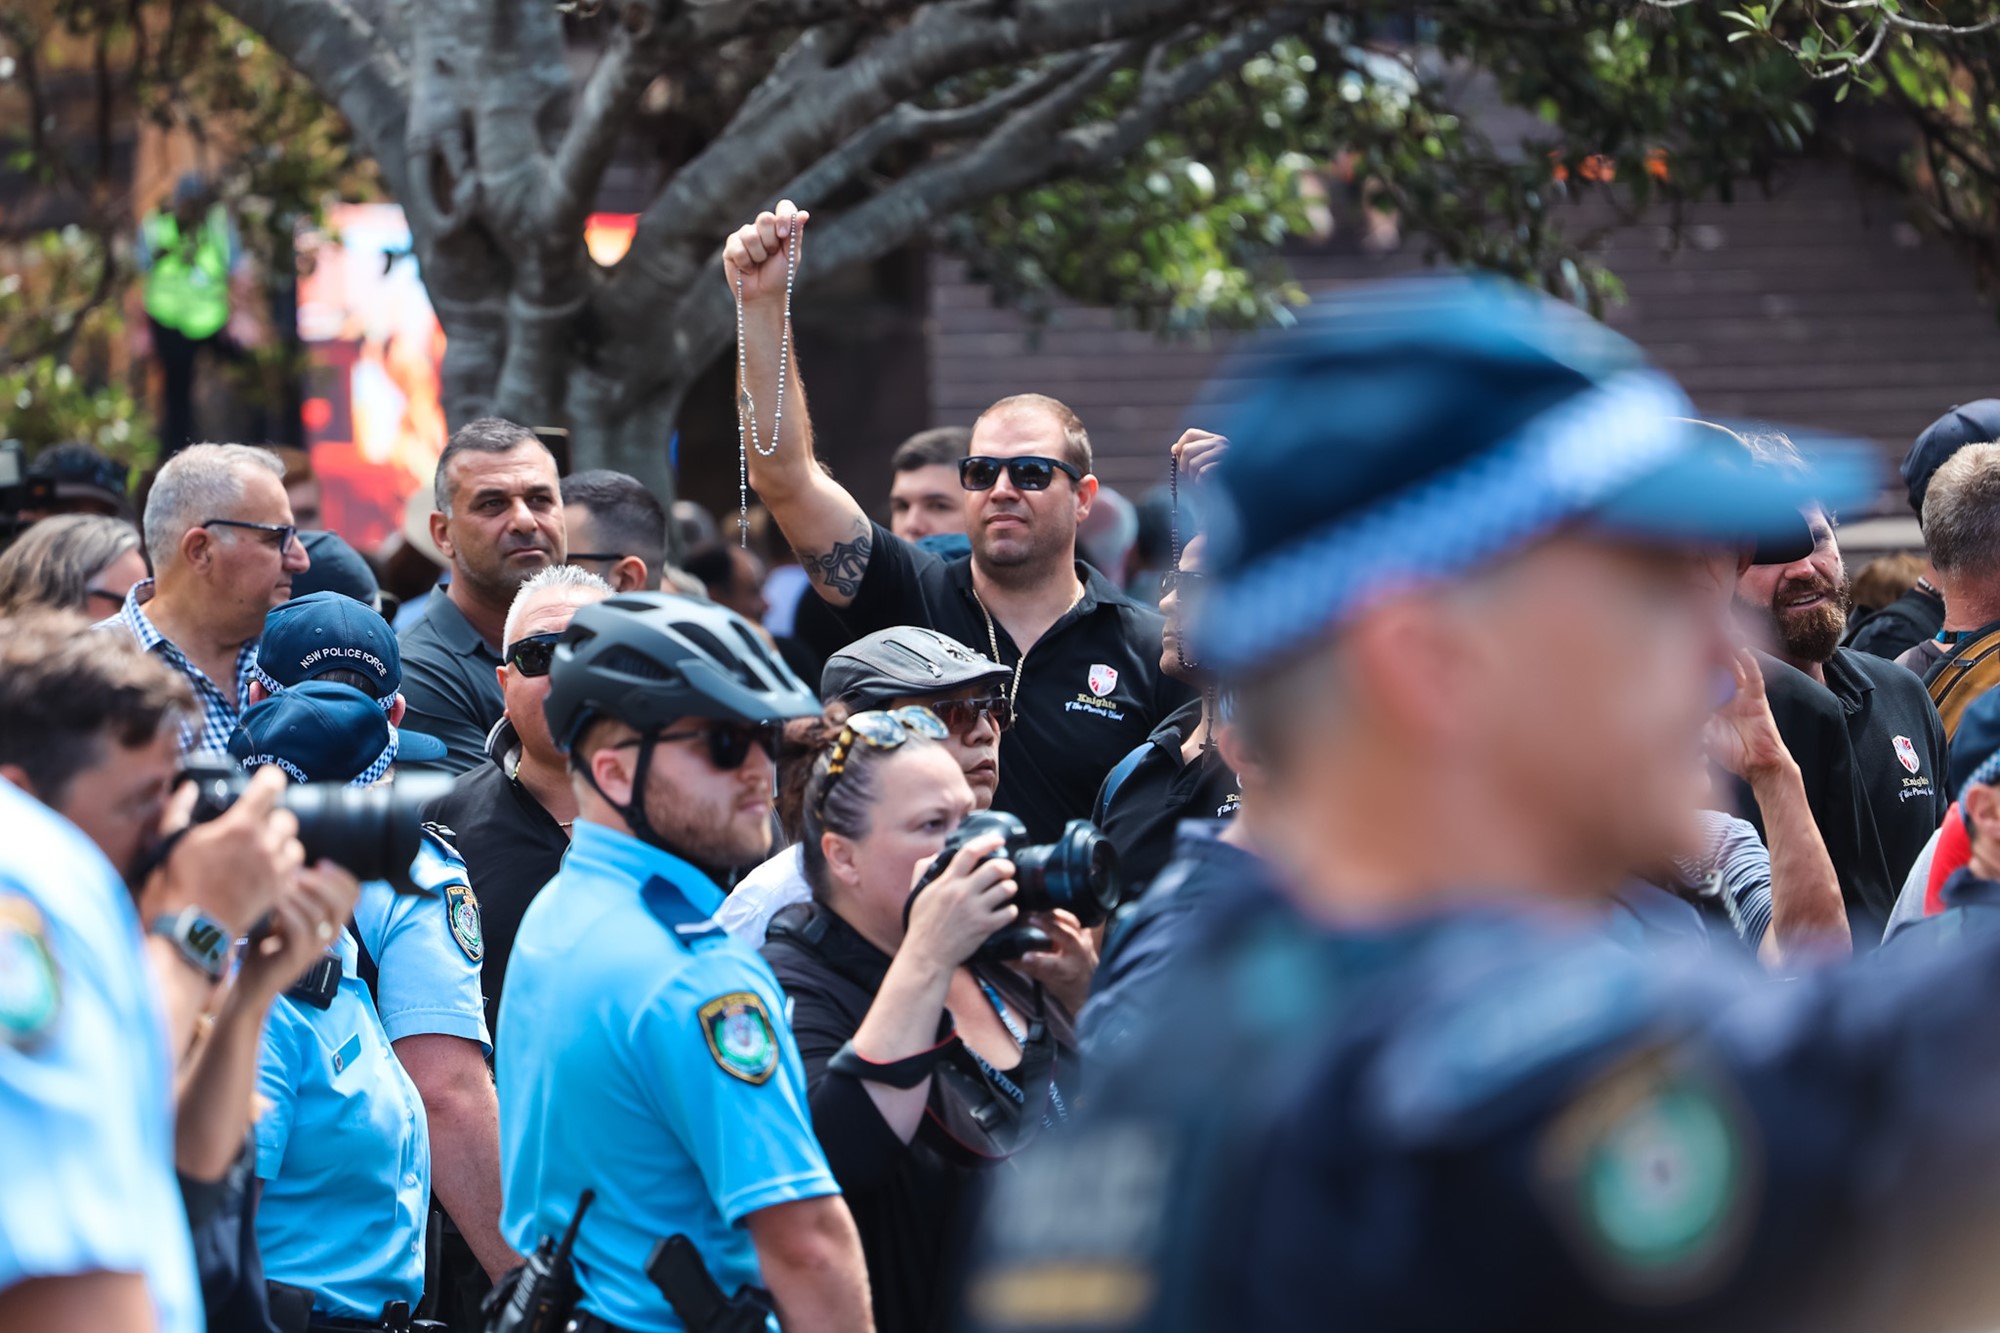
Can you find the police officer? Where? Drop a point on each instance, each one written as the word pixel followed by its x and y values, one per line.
pixel 646 1056
pixel 420 955
pixel 1476 660
pixel 344 1146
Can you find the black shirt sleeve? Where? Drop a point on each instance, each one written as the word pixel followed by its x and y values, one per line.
pixel 892 586
pixel 860 1147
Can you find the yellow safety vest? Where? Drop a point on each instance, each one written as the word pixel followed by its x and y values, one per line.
pixel 188 292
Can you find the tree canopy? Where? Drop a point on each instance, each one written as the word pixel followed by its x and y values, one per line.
pixel 1154 155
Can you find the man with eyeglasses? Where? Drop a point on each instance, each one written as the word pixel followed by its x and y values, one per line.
pixel 643 1053
pixel 219 532
pixel 1086 683
pixel 513 813
pixel 893 668
pixel 617 529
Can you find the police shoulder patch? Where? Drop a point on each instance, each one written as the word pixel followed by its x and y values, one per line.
pixel 462 911
pixel 30 984
pixel 1653 1173
pixel 740 1036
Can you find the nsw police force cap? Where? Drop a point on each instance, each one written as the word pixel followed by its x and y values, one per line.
pixel 321 731
pixel 1409 432
pixel 323 631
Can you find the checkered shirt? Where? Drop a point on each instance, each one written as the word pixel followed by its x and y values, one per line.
pixel 219 712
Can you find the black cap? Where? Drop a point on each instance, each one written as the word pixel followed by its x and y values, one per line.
pixel 902 661
pixel 336 567
pixel 1976 422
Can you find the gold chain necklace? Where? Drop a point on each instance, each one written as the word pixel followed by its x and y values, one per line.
pixel 993 641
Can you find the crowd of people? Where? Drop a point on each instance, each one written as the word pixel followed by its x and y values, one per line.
pixel 1492 876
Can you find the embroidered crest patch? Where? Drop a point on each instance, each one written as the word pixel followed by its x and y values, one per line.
pixel 462 909
pixel 1907 752
pixel 1103 679
pixel 740 1036
pixel 30 987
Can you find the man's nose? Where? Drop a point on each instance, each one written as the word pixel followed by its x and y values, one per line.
pixel 520 517
pixel 296 560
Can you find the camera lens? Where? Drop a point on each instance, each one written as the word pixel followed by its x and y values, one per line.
pixel 373 831
pixel 1078 873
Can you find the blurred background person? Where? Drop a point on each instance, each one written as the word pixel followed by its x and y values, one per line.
pixel 512 815
pixel 301 487
pixel 1881 581
pixel 616 529
pixel 499 521
pixel 188 254
pixel 1108 536
pixel 72 562
pixel 73 478
pixel 733 577
pixel 925 1068
pixel 925 499
pixel 1962 531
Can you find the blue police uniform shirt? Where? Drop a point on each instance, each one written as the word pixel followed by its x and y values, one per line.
pixel 646 1059
pixel 343 1152
pixel 1507 1120
pixel 86 1080
pixel 427 949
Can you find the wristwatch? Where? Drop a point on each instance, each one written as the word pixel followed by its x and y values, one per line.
pixel 203 941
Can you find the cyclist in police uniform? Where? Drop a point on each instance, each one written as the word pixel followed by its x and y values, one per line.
pixel 646 1056
pixel 1475 654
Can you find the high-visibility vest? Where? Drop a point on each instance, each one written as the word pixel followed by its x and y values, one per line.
pixel 187 287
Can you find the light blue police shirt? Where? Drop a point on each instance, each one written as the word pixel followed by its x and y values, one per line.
pixel 86 1080
pixel 427 948
pixel 344 1155
pixel 647 1059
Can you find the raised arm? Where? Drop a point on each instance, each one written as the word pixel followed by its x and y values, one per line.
pixel 823 523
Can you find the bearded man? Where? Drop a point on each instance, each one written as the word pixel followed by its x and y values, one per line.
pixel 1893 730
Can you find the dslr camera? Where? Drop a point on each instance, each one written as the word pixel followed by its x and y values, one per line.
pixel 1078 873
pixel 373 831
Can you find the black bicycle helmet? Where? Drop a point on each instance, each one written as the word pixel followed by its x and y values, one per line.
pixel 649 658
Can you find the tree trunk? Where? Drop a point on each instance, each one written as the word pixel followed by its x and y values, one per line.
pixel 609 430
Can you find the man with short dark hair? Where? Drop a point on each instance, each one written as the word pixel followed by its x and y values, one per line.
pixel 1962 529
pixel 1094 688
pixel 733 577
pixel 224 549
pixel 616 528
pixel 499 520
pixel 925 498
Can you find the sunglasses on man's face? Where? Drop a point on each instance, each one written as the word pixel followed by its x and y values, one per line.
pixel 278 536
pixel 962 715
pixel 532 653
pixel 1029 472
pixel 1181 580
pixel 729 743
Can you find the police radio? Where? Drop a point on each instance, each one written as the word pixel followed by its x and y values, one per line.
pixel 538 1296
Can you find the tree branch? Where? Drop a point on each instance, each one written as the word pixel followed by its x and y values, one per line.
pixel 602 110
pixel 348 61
pixel 702 24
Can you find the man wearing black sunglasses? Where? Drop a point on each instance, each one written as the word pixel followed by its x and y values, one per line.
pixel 1093 689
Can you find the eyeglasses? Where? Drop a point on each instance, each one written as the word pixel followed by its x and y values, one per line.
pixel 532 653
pixel 729 743
pixel 1181 580
pixel 1029 472
pixel 962 715
pixel 116 599
pixel 879 730
pixel 287 533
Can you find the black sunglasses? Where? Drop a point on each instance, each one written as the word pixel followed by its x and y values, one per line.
pixel 1029 472
pixel 532 653
pixel 962 715
pixel 287 532
pixel 729 743
pixel 1177 580
pixel 594 557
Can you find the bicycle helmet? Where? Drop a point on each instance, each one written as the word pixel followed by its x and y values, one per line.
pixel 650 658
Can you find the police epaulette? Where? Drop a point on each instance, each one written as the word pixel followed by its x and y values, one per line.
pixel 444 837
pixel 670 907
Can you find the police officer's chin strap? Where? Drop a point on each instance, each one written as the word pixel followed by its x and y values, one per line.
pixel 633 812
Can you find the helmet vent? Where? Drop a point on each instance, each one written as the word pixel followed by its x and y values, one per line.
pixel 629 662
pixel 705 639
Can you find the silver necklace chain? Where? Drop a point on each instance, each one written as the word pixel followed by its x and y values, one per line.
pixel 993 644
pixel 746 406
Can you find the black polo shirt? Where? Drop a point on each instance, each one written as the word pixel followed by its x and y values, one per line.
pixel 449 685
pixel 1154 791
pixel 1091 692
pixel 512 847
pixel 1813 725
pixel 1899 752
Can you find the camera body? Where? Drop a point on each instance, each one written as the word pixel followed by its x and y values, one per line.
pixel 373 831
pixel 1077 873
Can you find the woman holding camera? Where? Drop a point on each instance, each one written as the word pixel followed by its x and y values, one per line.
pixel 926 1066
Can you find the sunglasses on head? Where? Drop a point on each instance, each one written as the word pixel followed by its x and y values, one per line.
pixel 879 729
pixel 962 715
pixel 531 654
pixel 1030 472
pixel 729 743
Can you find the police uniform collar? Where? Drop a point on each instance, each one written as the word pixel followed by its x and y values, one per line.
pixel 348 950
pixel 605 853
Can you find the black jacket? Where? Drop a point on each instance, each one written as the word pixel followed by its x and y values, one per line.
pixel 912 1203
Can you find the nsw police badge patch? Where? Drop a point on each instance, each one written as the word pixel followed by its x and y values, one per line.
pixel 740 1036
pixel 30 987
pixel 462 910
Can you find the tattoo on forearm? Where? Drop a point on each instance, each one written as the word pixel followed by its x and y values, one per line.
pixel 840 569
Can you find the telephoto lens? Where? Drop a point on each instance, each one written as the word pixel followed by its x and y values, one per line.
pixel 1078 872
pixel 374 832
